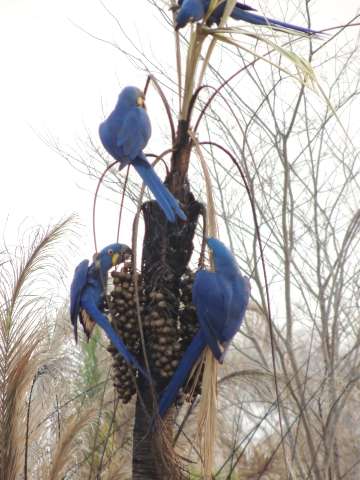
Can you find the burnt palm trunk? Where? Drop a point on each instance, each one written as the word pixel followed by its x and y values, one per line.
pixel 153 456
pixel 167 250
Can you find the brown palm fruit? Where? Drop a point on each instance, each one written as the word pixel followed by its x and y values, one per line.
pixel 122 308
pixel 162 331
pixel 189 325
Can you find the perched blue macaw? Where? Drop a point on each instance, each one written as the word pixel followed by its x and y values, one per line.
pixel 124 134
pixel 87 295
pixel 220 298
pixel 195 10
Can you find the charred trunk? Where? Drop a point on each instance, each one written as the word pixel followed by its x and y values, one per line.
pixel 167 250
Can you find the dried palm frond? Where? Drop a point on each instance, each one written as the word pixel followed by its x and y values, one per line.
pixel 22 338
pixel 208 401
pixel 304 71
pixel 67 448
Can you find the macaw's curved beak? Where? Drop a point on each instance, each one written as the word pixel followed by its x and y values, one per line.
pixel 116 259
pixel 120 257
pixel 140 101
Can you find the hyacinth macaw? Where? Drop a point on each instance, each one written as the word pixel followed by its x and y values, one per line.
pixel 87 295
pixel 124 134
pixel 220 298
pixel 195 10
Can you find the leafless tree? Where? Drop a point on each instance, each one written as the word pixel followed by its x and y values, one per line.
pixel 292 406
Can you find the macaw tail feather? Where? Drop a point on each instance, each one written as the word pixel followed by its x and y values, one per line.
pixel 104 323
pixel 239 14
pixel 182 372
pixel 165 199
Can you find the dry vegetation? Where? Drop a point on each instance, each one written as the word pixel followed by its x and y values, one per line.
pixel 59 414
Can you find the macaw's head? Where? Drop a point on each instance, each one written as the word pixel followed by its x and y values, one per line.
pixel 189 12
pixel 131 97
pixel 223 258
pixel 110 256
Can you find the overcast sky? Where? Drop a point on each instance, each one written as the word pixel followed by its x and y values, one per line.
pixel 54 79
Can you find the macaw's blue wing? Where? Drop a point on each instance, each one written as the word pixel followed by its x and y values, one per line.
pixel 240 14
pixel 134 132
pixel 211 296
pixel 89 306
pixel 239 301
pixel 77 286
pixel 237 308
pixel 166 200
pixel 182 372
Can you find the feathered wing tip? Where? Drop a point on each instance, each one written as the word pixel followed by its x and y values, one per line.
pixel 207 415
pixel 165 199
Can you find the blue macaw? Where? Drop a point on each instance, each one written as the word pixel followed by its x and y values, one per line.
pixel 87 295
pixel 195 10
pixel 124 134
pixel 221 298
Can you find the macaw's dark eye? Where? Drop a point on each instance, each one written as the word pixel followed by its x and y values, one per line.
pixel 110 252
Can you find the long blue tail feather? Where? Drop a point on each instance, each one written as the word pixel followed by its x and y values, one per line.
pixel 239 14
pixel 151 183
pixel 166 200
pixel 104 323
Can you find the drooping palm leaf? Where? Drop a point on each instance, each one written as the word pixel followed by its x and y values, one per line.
pixel 22 332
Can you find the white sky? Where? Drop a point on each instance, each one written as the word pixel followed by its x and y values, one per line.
pixel 53 79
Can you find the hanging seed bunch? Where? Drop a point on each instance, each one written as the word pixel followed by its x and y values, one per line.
pixel 189 324
pixel 122 307
pixel 162 332
pixel 169 322
pixel 188 321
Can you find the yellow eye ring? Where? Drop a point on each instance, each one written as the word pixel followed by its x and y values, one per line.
pixel 110 252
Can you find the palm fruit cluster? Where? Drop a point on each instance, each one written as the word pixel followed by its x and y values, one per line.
pixel 189 324
pixel 122 308
pixel 162 332
pixel 187 315
pixel 169 323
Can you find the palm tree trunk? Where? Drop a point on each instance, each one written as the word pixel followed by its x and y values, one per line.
pixel 167 250
pixel 153 456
